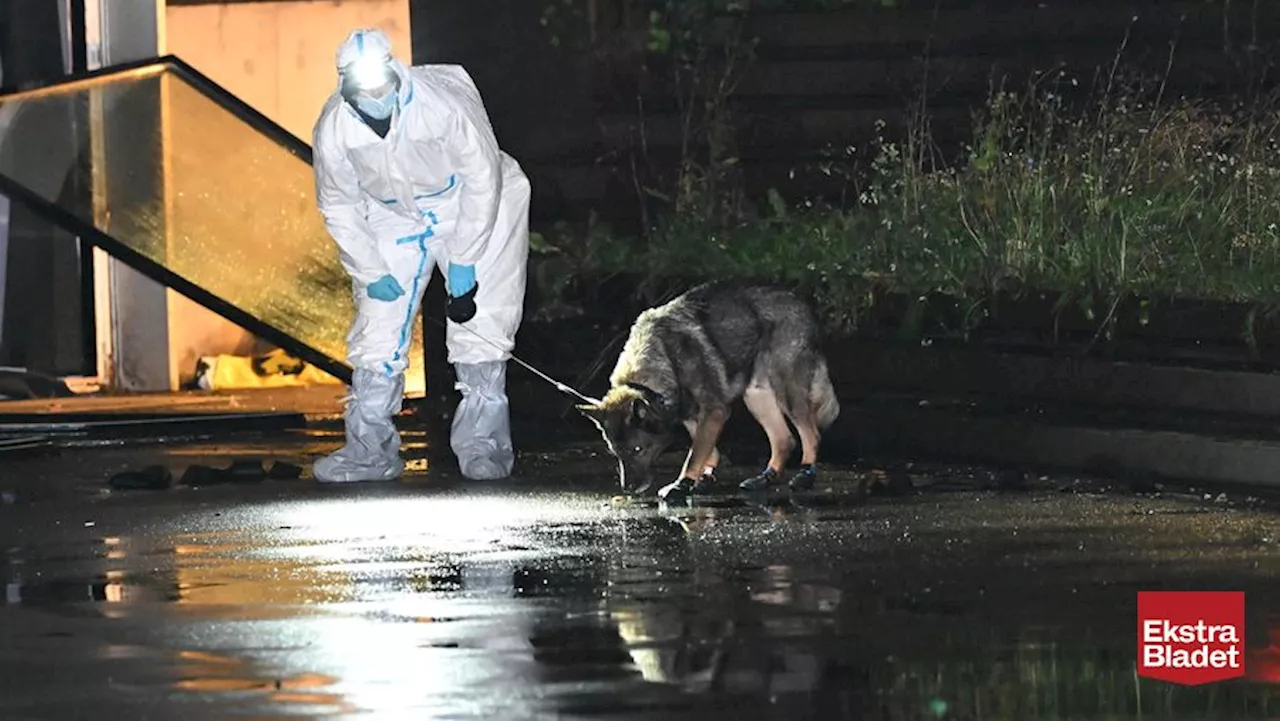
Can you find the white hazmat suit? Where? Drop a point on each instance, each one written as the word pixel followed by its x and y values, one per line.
pixel 426 185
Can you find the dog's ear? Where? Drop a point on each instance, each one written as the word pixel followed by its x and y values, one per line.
pixel 651 410
pixel 646 414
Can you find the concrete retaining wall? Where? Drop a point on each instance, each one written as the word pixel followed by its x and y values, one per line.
pixel 967 404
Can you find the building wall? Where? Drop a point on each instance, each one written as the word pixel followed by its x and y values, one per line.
pixel 278 56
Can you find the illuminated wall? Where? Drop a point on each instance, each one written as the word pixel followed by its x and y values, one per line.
pixel 278 56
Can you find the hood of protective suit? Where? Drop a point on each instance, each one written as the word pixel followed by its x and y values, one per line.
pixel 371 42
pixel 439 155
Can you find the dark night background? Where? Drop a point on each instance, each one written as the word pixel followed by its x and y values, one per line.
pixel 821 78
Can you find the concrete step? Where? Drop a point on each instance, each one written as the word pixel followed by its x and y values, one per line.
pixel 1058 439
pixel 1072 379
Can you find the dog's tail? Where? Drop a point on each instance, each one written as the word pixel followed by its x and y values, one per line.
pixel 823 396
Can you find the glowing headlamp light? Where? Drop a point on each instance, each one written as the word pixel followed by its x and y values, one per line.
pixel 367 73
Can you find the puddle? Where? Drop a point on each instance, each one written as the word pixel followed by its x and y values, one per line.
pixel 213 675
pixel 493 603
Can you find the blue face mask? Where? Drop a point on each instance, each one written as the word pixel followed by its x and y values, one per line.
pixel 377 108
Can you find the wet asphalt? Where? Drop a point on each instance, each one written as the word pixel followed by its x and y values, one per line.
pixel 934 593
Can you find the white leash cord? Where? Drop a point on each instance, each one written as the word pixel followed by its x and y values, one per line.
pixel 563 388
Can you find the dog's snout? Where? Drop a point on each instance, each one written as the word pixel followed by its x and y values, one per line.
pixel 635 480
pixel 638 487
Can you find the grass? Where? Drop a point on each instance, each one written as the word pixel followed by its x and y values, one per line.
pixel 1096 194
pixel 1050 680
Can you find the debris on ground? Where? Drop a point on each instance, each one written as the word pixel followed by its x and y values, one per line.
pixel 155 478
pixel 198 475
pixel 246 472
pixel 151 478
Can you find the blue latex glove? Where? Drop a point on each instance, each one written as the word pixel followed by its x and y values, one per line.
pixel 462 278
pixel 385 289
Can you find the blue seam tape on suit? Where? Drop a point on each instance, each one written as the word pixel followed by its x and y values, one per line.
pixel 421 240
pixel 453 181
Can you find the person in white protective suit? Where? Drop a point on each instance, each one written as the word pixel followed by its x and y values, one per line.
pixel 409 176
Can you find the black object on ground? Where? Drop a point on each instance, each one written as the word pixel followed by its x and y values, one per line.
pixel 241 471
pixel 151 478
pixel 203 476
pixel 246 471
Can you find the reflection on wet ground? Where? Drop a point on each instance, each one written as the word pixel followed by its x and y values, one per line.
pixel 544 597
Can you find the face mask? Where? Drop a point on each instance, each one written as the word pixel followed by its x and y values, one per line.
pixel 377 108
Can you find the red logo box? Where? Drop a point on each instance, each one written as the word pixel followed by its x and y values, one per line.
pixel 1191 637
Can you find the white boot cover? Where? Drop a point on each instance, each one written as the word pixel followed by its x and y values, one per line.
pixel 372 451
pixel 481 433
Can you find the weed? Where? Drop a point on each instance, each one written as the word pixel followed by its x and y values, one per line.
pixel 1096 194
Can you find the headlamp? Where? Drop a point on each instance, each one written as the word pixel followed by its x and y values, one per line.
pixel 366 73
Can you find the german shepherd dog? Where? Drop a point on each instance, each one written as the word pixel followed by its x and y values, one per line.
pixel 687 361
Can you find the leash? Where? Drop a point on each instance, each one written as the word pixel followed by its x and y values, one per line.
pixel 562 387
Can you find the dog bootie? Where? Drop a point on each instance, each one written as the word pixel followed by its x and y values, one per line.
pixel 803 481
pixel 676 490
pixel 760 481
pixel 706 484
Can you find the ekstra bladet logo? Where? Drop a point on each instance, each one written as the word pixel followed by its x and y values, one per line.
pixel 1191 637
